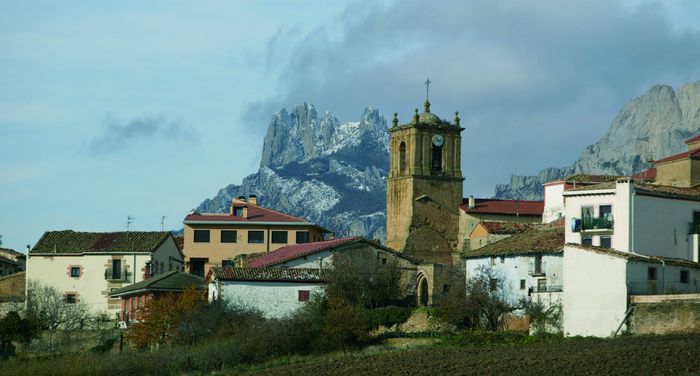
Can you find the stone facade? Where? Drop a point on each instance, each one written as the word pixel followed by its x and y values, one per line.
pixel 424 187
pixel 665 314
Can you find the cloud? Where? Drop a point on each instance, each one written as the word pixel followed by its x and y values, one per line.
pixel 119 135
pixel 534 82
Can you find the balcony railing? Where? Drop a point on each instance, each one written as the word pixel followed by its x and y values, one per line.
pixel 548 288
pixel 602 223
pixel 117 275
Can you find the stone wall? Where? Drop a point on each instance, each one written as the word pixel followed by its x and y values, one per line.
pixel 663 314
pixel 13 285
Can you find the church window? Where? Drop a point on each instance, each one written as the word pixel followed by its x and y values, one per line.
pixel 402 158
pixel 304 295
pixel 437 159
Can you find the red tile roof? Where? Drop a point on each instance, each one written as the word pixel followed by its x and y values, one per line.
pixel 535 241
pixel 492 206
pixel 69 241
pixel 294 251
pixel 180 242
pixel 255 214
pixel 267 274
pixel 693 154
pixel 649 174
pixel 694 139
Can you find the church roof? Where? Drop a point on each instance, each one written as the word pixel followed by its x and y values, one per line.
pixel 493 206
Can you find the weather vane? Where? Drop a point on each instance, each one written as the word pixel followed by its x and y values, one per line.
pixel 427 87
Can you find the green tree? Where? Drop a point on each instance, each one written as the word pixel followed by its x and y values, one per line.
pixel 489 299
pixel 13 328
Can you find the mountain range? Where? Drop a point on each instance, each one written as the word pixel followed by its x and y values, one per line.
pixel 334 173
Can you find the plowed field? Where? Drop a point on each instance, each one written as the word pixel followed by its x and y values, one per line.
pixel 649 355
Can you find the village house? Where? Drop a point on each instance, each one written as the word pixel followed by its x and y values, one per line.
pixel 554 192
pixel 639 238
pixel 87 266
pixel 278 282
pixel 217 239
pixel 134 297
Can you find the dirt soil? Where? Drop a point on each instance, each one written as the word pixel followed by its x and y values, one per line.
pixel 644 355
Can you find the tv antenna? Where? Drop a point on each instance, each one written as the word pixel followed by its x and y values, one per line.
pixel 162 223
pixel 129 221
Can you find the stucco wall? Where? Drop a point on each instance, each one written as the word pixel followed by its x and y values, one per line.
pixel 661 226
pixel 516 268
pixel 675 173
pixel 273 299
pixel 618 235
pixel 553 202
pixel 595 292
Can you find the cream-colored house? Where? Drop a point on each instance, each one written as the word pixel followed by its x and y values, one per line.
pixel 216 239
pixel 87 266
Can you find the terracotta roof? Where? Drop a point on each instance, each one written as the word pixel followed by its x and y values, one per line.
pixel 649 174
pixel 493 206
pixel 692 193
pixel 170 281
pixel 255 214
pixel 69 241
pixel 294 251
pixel 694 139
pixel 228 273
pixel 693 154
pixel 536 241
pixel 635 256
pixel 584 179
pixel 179 242
pixel 504 228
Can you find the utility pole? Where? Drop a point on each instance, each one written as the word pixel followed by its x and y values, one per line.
pixel 162 223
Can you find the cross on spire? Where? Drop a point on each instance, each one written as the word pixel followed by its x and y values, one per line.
pixel 427 87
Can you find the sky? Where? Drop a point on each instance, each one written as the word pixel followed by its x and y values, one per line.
pixel 114 109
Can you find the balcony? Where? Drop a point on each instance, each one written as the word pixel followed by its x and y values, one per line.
pixel 597 224
pixel 548 288
pixel 119 275
pixel 537 268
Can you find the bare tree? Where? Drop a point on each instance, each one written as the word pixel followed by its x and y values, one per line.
pixel 489 298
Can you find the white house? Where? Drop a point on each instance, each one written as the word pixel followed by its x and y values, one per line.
pixel 598 282
pixel 87 266
pixel 275 292
pixel 529 262
pixel 554 193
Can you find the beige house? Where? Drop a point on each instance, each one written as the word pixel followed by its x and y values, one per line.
pixel 682 169
pixel 87 266
pixel 217 239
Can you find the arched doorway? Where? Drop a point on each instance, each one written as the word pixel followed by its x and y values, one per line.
pixel 422 290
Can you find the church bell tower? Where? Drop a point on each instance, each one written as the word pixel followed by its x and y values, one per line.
pixel 424 186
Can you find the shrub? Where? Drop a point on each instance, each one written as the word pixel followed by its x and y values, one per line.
pixel 388 316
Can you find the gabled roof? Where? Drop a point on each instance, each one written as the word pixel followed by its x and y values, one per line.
pixel 493 206
pixel 171 281
pixel 179 242
pixel 636 256
pixel 11 252
pixel 256 215
pixel 536 241
pixel 6 260
pixel 227 273
pixel 692 154
pixel 72 242
pixel 658 190
pixel 506 228
pixel 295 251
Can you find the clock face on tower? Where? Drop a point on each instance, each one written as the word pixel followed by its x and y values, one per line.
pixel 438 140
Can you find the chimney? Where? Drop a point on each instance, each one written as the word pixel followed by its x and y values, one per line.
pixel 245 212
pixel 253 200
pixel 472 202
pixel 147 270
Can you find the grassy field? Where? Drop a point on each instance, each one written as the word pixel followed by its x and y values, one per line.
pixel 644 355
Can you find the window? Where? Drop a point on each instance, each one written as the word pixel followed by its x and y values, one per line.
pixel 402 158
pixel 587 241
pixel 522 284
pixel 503 259
pixel 279 237
pixel 201 236
pixel 238 212
pixel 445 289
pixel 605 212
pixel 71 298
pixel 437 159
pixel 493 261
pixel 605 241
pixel 116 269
pixel 493 284
pixel 227 263
pixel 684 276
pixel 651 273
pixel 538 265
pixel 75 272
pixel 228 236
pixel 256 237
pixel 384 261
pixel 542 284
pixel 302 237
pixel 304 295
